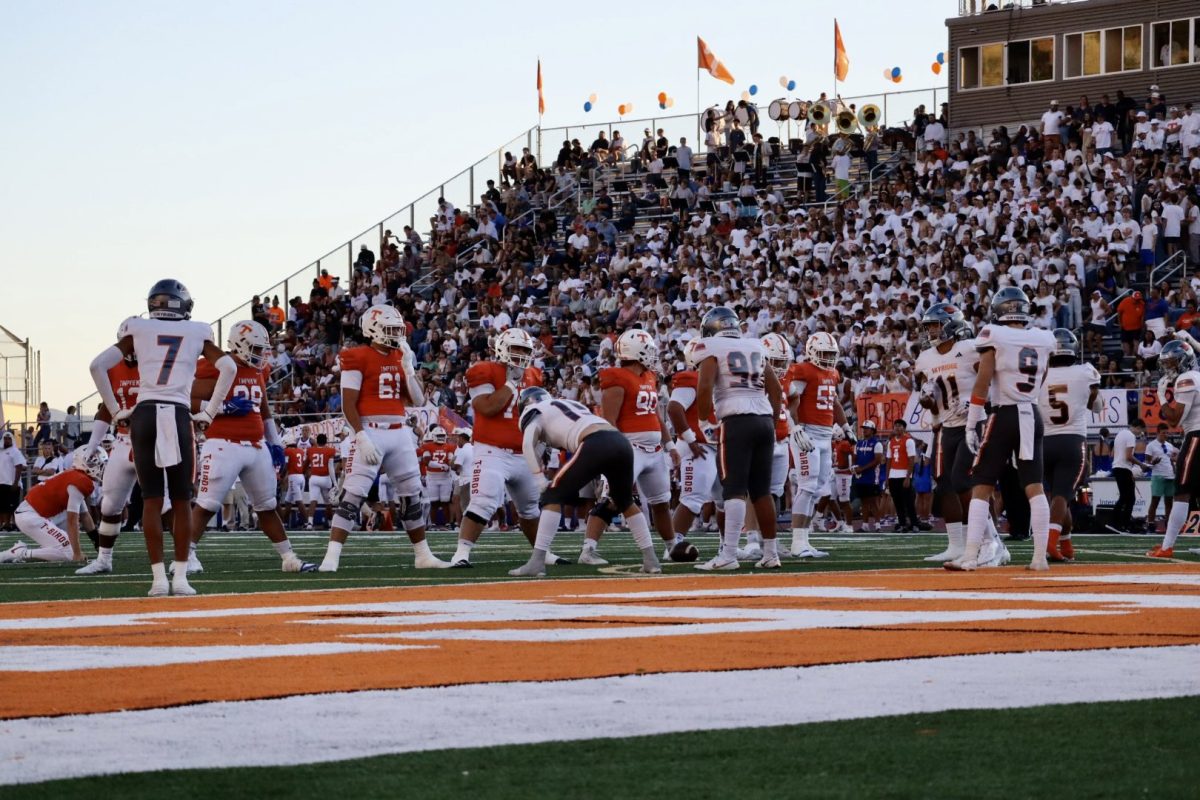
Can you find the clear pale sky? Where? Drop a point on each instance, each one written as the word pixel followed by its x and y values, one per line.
pixel 228 144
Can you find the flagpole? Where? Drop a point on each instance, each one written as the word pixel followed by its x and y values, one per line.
pixel 833 103
pixel 699 138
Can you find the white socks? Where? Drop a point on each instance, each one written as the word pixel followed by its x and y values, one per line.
pixel 957 537
pixel 1175 523
pixel 548 527
pixel 1039 524
pixel 640 528
pixel 283 548
pixel 421 548
pixel 979 514
pixel 799 539
pixel 735 517
pixel 333 555
pixel 159 572
pixel 770 548
pixel 463 553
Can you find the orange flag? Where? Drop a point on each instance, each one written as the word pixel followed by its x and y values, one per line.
pixel 708 61
pixel 541 97
pixel 841 61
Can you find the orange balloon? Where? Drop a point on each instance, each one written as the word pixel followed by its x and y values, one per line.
pixel 937 68
pixel 898 78
pixel 621 109
pixel 662 97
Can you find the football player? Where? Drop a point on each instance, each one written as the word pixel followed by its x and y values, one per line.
pixel 696 444
pixel 437 456
pixel 1071 392
pixel 598 450
pixel 812 387
pixel 737 381
pixel 1012 365
pixel 295 467
pixel 320 460
pixel 463 458
pixel 241 443
pixel 629 401
pixel 379 381
pixel 53 503
pixel 1177 396
pixel 498 465
pixel 167 347
pixel 843 474
pixel 780 356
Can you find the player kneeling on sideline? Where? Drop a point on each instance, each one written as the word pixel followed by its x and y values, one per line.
pixel 41 514
pixel 598 450
pixel 234 445
pixel 1071 391
pixel 1177 395
pixel 377 380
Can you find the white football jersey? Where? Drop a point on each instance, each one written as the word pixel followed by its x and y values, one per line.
pixel 561 421
pixel 953 377
pixel 1022 356
pixel 1187 392
pixel 1064 399
pixel 741 367
pixel 167 352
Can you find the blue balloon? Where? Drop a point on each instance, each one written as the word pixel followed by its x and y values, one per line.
pixel 663 106
pixel 791 85
pixel 587 106
pixel 895 72
pixel 753 89
pixel 941 58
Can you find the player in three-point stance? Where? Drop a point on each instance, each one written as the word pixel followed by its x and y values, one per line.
pixel 379 380
pixel 1071 392
pixel 1012 365
pixel 1177 395
pixel 167 347
pixel 736 379
pixel 598 450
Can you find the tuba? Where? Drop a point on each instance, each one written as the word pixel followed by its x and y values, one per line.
pixel 819 116
pixel 869 117
pixel 846 122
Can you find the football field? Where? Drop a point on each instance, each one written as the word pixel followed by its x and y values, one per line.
pixel 869 673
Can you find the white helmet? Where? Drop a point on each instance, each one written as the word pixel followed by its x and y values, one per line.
pixel 514 347
pixel 250 342
pixel 689 352
pixel 637 345
pixel 428 437
pixel 822 349
pixel 463 432
pixel 439 434
pixel 91 465
pixel 384 326
pixel 779 353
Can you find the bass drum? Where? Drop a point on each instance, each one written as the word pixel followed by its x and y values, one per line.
pixel 797 110
pixel 742 115
pixel 778 110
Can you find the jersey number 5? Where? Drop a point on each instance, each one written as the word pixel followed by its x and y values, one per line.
pixel 1062 411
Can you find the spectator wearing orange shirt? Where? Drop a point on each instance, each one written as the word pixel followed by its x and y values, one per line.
pixel 1188 318
pixel 1131 313
pixel 277 315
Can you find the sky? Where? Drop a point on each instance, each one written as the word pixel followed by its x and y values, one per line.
pixel 229 144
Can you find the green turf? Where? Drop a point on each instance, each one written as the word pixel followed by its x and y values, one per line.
pixel 1100 750
pixel 245 562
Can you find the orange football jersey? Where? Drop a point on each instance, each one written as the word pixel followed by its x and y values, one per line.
pixel 843 455
pixel 384 389
pixel 690 379
pixel 639 405
pixel 437 457
pixel 249 382
pixel 500 430
pixel 295 460
pixel 50 497
pixel 820 392
pixel 320 460
pixel 124 380
pixel 781 425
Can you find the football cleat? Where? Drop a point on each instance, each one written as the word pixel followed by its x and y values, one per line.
pixel 17 554
pixel 181 588
pixel 962 565
pixel 1038 564
pixel 809 552
pixel 528 570
pixel 159 589
pixel 591 557
pixel 993 554
pixel 769 562
pixel 430 561
pixel 717 565
pixel 194 567
pixel 461 563
pixel 557 561
pixel 1162 552
pixel 328 566
pixel 96 567
pixel 846 528
pixel 293 564
pixel 751 552
pixel 949 554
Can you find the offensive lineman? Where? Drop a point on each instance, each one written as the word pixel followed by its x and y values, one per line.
pixel 167 347
pixel 437 457
pixel 234 445
pixel 378 381
pixel 699 482
pixel 736 378
pixel 1177 395
pixel 1012 365
pixel 1070 393
pixel 598 450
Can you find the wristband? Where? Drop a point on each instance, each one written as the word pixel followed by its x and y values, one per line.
pixel 976 400
pixel 688 436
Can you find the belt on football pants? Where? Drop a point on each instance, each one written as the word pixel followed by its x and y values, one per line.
pixel 385 426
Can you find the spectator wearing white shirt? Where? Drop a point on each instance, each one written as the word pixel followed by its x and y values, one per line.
pixel 1052 127
pixel 12 464
pixel 1102 135
pixel 683 154
pixel 1172 218
pixel 1124 464
pixel 1160 455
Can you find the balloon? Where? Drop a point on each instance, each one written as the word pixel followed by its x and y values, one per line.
pixel 662 97
pixel 663 106
pixel 629 108
pixel 746 96
pixel 941 58
pixel 753 89
pixel 895 72
pixel 887 74
pixel 670 102
pixel 621 109
pixel 791 85
pixel 937 68
pixel 898 78
pixel 592 97
pixel 587 106
pixel 783 81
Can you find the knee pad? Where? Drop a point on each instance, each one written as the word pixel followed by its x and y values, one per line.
pixel 347 509
pixel 412 511
pixel 605 510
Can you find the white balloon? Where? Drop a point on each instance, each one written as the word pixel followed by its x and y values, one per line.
pixel 783 81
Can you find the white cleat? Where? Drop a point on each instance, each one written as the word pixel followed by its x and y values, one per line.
pixel 846 528
pixel 651 569
pixel 328 566
pixel 430 561
pixel 17 554
pixel 809 552
pixel 591 557
pixel 948 554
pixel 557 561
pixel 181 588
pixel 751 552
pixel 293 564
pixel 528 570
pixel 717 565
pixel 962 565
pixel 769 562
pixel 159 589
pixel 1038 564
pixel 96 567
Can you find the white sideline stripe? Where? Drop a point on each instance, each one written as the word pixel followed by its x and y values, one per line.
pixel 56 658
pixel 335 727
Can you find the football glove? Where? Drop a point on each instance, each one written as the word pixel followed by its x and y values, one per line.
pixel 365 449
pixel 851 436
pixel 408 358
pixel 278 459
pixel 237 407
pixel 202 418
pixel 121 416
pixel 801 441
pixel 975 415
pixel 1164 385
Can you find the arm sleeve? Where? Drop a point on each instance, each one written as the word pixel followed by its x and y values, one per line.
pixel 100 366
pixel 529 446
pixel 351 379
pixel 228 369
pixel 480 390
pixel 684 395
pixel 416 390
pixel 99 428
pixel 271 433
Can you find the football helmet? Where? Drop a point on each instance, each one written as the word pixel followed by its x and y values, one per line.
pixel 1176 358
pixel 721 321
pixel 428 437
pixel 822 349
pixel 383 325
pixel 90 465
pixel 1066 345
pixel 530 397
pixel 514 347
pixel 1011 305
pixel 941 323
pixel 250 343
pixel 169 299
pixel 637 345
pixel 779 353
pixel 690 355
pixel 439 434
